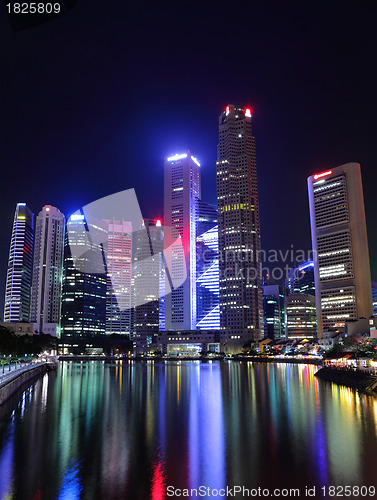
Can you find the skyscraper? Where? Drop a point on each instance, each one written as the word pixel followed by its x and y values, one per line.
pixel 241 303
pixel 181 191
pixel 149 281
pixel 84 279
pixel 301 322
pixel 47 270
pixel 119 266
pixel 207 267
pixel 274 311
pixel 301 279
pixel 339 238
pixel 20 265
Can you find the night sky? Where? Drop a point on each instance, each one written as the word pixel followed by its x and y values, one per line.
pixel 92 102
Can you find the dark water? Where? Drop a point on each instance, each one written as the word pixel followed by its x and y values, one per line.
pixel 131 430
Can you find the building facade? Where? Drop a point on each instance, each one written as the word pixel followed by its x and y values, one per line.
pixel 47 270
pixel 274 312
pixel 301 317
pixel 241 300
pixel 149 282
pixel 301 278
pixel 119 274
pixel 20 266
pixel 339 238
pixel 181 191
pixel 84 279
pixel 207 268
pixel 374 297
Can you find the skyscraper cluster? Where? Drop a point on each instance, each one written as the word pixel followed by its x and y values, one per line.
pixel 109 275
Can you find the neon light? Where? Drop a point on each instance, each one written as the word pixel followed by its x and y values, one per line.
pixel 248 112
pixel 323 174
pixel 21 217
pixel 158 222
pixel 77 217
pixel 177 157
pixel 47 209
pixel 195 160
pixel 227 110
pixel 21 204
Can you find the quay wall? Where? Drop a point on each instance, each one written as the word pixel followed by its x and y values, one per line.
pixel 356 379
pixel 13 383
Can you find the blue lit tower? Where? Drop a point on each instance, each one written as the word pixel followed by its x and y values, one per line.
pixel 181 191
pixel 207 268
pixel 274 311
pixel 84 279
pixel 301 279
pixel 241 299
pixel 47 270
pixel 20 264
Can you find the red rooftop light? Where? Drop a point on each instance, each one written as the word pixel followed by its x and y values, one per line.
pixel 248 112
pixel 47 209
pixel 323 174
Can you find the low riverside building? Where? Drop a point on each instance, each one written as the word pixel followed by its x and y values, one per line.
pixel 362 326
pixel 329 339
pixel 188 342
pixel 19 328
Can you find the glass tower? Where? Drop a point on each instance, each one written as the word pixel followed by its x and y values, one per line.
pixel 84 279
pixel 181 191
pixel 20 264
pixel 207 268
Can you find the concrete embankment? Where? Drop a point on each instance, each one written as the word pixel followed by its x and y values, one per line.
pixel 356 379
pixel 10 383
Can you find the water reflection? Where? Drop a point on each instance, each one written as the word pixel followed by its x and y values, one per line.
pixel 131 429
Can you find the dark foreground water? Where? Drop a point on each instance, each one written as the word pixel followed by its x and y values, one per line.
pixel 140 430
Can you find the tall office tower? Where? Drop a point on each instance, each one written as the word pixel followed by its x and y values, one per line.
pixel 274 311
pixel 301 318
pixel 181 191
pixel 119 272
pixel 241 301
pixel 84 279
pixel 47 270
pixel 149 282
pixel 301 279
pixel 20 264
pixel 207 268
pixel 339 238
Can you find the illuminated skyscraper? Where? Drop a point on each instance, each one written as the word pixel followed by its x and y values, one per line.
pixel 339 238
pixel 20 264
pixel 181 191
pixel 241 303
pixel 149 283
pixel 207 267
pixel 47 270
pixel 84 279
pixel 274 311
pixel 301 278
pixel 301 320
pixel 119 266
pixel 374 297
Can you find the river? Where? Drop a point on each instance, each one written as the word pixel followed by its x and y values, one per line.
pixel 154 430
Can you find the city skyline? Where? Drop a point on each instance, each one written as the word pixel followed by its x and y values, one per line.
pixel 312 97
